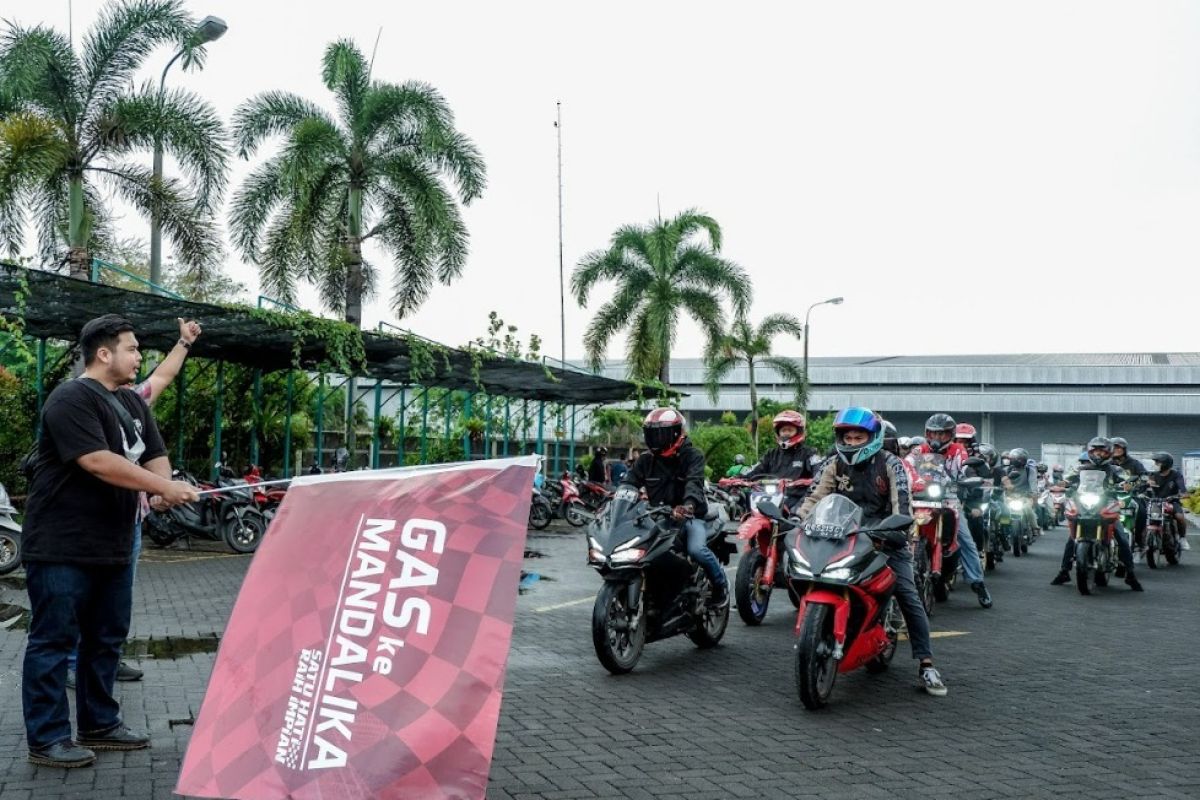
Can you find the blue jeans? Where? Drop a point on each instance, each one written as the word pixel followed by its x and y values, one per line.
pixel 72 603
pixel 697 548
pixel 137 552
pixel 900 560
pixel 968 554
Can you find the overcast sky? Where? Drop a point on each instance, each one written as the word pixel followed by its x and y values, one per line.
pixel 973 177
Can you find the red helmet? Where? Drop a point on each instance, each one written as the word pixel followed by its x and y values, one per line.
pixel 796 420
pixel 964 430
pixel 663 430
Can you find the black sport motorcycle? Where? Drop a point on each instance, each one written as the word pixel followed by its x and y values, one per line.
pixel 652 590
pixel 230 516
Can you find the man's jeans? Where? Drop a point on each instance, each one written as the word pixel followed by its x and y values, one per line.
pixel 1124 553
pixel 70 603
pixel 137 553
pixel 697 535
pixel 900 560
pixel 968 554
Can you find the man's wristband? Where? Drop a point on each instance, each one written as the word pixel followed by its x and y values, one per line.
pixel 186 344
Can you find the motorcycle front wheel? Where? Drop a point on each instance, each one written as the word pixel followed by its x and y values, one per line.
pixel 752 597
pixel 576 513
pixel 10 551
pixel 243 531
pixel 924 580
pixel 710 628
pixel 157 529
pixel 617 636
pixel 1082 555
pixel 816 668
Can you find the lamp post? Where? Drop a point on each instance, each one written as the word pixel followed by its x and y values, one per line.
pixel 209 30
pixel 833 301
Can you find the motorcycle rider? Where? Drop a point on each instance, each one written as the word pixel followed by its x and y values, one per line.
pixel 939 431
pixel 598 469
pixel 1121 457
pixel 980 465
pixel 877 482
pixel 791 460
pixel 1168 482
pixel 964 434
pixel 1099 451
pixel 739 467
pixel 672 473
pixel 1021 478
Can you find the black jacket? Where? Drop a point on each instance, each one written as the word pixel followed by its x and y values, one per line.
pixel 1131 465
pixel 671 481
pixel 879 487
pixel 792 464
pixel 1169 485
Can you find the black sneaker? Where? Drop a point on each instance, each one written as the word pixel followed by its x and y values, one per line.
pixel 119 738
pixel 720 595
pixel 65 755
pixel 985 599
pixel 1061 578
pixel 128 673
pixel 1133 583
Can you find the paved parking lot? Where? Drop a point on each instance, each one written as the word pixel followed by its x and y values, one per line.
pixel 1051 695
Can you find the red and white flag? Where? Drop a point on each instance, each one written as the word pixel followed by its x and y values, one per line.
pixel 366 652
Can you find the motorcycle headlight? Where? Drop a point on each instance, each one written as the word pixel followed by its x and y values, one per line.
pixel 1016 504
pixel 1089 499
pixel 842 574
pixel 799 557
pixel 628 556
pixel 934 490
pixel 799 565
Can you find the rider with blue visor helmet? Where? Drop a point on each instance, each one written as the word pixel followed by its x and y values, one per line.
pixel 877 482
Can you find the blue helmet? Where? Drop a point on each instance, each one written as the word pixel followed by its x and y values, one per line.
pixel 858 418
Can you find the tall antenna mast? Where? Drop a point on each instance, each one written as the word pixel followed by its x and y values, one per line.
pixel 562 285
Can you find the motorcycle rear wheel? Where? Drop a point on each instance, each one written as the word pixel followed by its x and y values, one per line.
pixel 710 629
pixel 752 597
pixel 10 551
pixel 1172 556
pixel 893 620
pixel 156 529
pixel 617 650
pixel 924 580
pixel 816 668
pixel 1101 578
pixel 243 532
pixel 1151 557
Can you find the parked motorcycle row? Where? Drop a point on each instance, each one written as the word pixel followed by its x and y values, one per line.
pixel 831 566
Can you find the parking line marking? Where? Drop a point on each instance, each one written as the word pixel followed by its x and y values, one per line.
pixel 937 635
pixel 567 604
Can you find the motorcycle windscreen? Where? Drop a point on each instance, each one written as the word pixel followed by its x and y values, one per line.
pixel 833 518
pixel 930 467
pixel 619 520
pixel 766 489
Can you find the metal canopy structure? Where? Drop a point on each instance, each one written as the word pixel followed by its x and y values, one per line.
pixel 56 307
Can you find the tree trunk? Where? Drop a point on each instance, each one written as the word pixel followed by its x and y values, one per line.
pixel 664 371
pixel 354 259
pixel 753 406
pixel 79 261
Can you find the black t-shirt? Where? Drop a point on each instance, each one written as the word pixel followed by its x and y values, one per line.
pixel 72 516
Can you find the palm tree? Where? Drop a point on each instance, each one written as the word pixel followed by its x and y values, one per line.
pixel 660 270
pixel 746 344
pixel 376 172
pixel 73 122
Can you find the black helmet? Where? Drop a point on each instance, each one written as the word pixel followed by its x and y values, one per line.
pixel 1099 443
pixel 891 441
pixel 1119 441
pixel 1019 456
pixel 937 424
pixel 988 454
pixel 1041 468
pixel 1163 460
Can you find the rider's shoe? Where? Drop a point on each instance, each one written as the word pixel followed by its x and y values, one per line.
pixel 931 681
pixel 1133 583
pixel 1061 578
pixel 985 599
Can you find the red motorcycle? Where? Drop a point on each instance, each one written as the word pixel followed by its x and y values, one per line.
pixel 935 509
pixel 565 499
pixel 760 568
pixel 847 617
pixel 266 498
pixel 593 495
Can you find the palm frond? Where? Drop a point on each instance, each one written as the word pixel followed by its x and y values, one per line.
pixel 643 351
pixel 271 114
pixel 775 324
pixel 188 128
pixel 787 368
pixel 611 318
pixel 41 72
pixel 716 368
pixel 699 267
pixel 602 265
pixel 693 221
pixel 122 37
pixel 346 73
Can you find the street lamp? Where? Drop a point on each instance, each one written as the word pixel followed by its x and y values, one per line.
pixel 833 301
pixel 209 30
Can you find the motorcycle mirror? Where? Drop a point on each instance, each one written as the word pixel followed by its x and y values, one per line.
pixel 770 510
